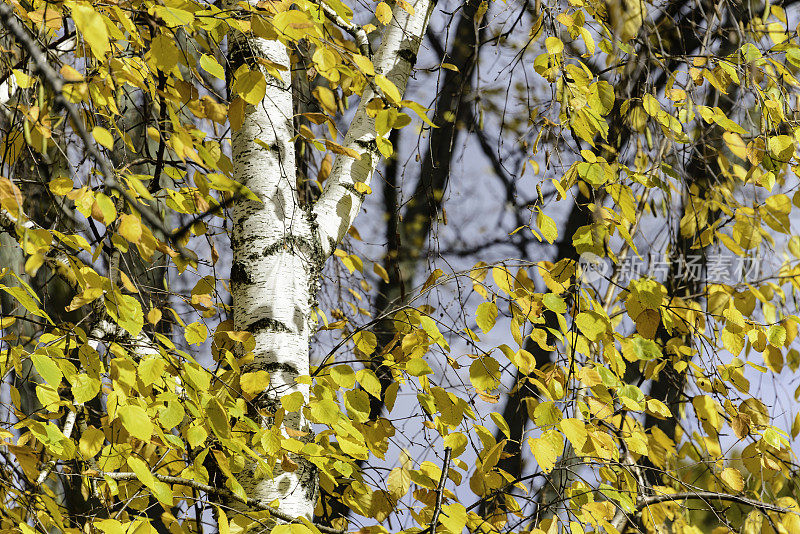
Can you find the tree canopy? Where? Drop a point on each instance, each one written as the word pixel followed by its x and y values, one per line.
pixel 317 266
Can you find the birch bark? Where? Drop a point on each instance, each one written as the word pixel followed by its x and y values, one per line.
pixel 279 247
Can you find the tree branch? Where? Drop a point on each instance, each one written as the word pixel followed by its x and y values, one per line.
pixel 253 503
pixel 340 202
pixel 354 30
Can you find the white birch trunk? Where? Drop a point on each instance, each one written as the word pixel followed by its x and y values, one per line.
pixel 278 247
pixel 275 267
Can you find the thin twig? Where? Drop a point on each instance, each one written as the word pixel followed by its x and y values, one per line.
pixel 621 519
pixel 712 496
pixel 440 489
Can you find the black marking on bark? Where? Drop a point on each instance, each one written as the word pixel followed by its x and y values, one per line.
pixel 370 146
pixel 239 242
pixel 267 323
pixel 290 243
pixel 308 479
pixel 242 54
pixel 239 274
pixel 284 367
pixel 407 55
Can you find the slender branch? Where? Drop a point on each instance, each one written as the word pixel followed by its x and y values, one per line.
pixel 356 32
pixel 69 425
pixel 254 503
pixel 712 496
pixel 440 489
pixel 621 520
pixel 50 77
pixel 341 200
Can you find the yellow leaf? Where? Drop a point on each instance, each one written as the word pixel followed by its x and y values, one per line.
pixel 23 80
pixel 92 440
pixel 554 45
pixel 294 25
pixel 336 148
pixel 545 452
pixel 251 86
pixel 325 411
pixel 164 53
pixel 503 279
pixel 736 144
pixel 706 409
pixel 211 66
pixel 486 316
pixel 398 482
pixel 575 430
pixel 364 64
pixel 343 376
pixel 547 226
pixel 485 374
pixel 136 422
pixel 383 13
pixel 453 517
pixel 61 185
pixel 153 316
pixel 293 401
pixel 362 188
pixel 365 341
pixel 389 89
pixel 130 227
pixel 93 28
pixel 380 271
pixel 733 478
pixel 195 333
pixel 254 383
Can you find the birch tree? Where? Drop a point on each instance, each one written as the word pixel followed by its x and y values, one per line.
pixel 279 247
